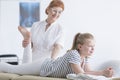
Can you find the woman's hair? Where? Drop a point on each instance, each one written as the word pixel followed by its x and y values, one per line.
pixel 55 3
pixel 81 38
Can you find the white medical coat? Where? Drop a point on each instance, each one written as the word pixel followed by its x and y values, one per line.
pixel 44 41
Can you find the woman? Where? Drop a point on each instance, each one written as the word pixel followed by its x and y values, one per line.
pixel 74 61
pixel 46 37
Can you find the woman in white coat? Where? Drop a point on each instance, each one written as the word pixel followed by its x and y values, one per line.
pixel 46 37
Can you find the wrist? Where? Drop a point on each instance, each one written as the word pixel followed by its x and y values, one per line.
pixel 102 73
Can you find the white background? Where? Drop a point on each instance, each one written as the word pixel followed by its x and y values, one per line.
pixel 99 17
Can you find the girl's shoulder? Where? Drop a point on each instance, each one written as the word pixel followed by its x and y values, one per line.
pixel 73 53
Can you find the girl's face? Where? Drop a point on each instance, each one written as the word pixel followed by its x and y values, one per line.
pixel 54 13
pixel 87 49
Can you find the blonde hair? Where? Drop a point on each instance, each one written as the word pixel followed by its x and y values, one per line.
pixel 81 38
pixel 55 3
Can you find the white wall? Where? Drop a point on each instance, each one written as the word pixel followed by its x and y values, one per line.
pixel 99 17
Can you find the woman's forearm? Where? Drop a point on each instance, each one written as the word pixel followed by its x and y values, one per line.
pixel 56 51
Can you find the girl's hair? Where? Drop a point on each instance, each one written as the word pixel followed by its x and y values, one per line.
pixel 55 3
pixel 80 38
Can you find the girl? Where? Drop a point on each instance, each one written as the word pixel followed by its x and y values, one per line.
pixel 74 61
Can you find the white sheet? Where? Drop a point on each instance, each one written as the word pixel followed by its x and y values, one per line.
pixel 86 77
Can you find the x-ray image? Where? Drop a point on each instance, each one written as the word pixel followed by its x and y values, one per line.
pixel 29 13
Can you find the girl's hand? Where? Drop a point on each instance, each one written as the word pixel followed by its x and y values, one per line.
pixel 108 72
pixel 25 43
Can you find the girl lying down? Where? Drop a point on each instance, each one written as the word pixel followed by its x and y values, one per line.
pixel 74 61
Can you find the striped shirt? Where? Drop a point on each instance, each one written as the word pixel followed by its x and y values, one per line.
pixel 61 66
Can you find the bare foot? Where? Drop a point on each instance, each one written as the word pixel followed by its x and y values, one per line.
pixel 25 33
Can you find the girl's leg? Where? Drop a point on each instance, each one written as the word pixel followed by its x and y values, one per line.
pixel 27 54
pixel 29 68
pixel 25 33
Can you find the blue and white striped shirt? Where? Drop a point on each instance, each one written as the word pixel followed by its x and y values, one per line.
pixel 61 66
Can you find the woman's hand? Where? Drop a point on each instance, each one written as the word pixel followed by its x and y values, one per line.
pixel 25 43
pixel 108 72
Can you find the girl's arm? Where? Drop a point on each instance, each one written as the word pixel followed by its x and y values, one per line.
pixel 89 71
pixel 78 70
pixel 107 72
